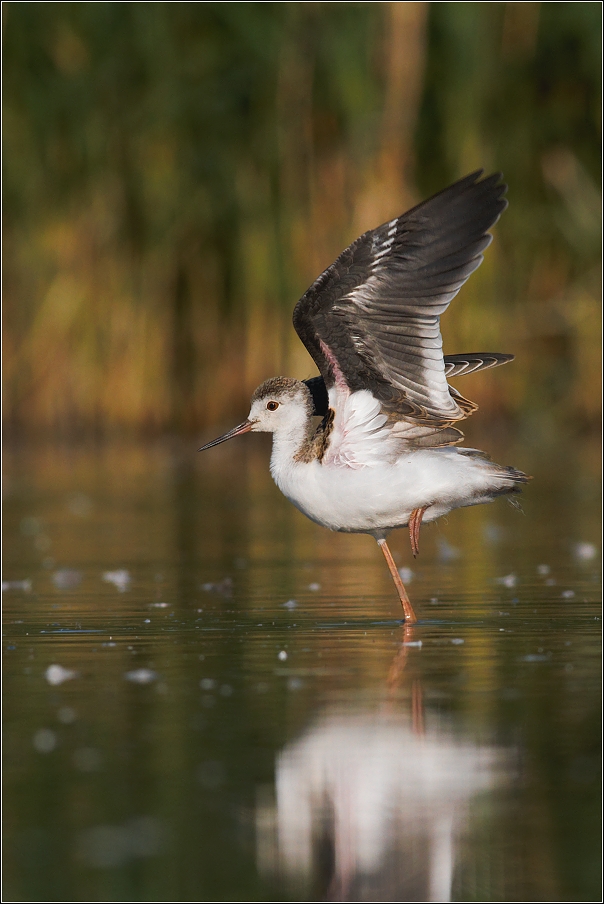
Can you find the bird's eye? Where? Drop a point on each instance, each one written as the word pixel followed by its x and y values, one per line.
pixel 272 406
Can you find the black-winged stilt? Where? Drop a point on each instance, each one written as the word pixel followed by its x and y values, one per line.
pixel 384 455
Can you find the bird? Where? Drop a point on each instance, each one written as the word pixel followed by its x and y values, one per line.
pixel 385 453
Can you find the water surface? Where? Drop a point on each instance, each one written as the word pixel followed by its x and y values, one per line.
pixel 207 697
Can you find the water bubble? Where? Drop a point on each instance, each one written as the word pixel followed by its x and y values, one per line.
pixel 45 740
pixel 585 551
pixel 25 586
pixel 314 587
pixel 120 579
pixel 543 570
pixel 224 587
pixel 67 578
pixel 446 552
pixel 406 575
pixel 492 533
pixel 66 715
pixel 508 580
pixel 282 655
pixel 290 604
pixel 141 676
pixel 56 674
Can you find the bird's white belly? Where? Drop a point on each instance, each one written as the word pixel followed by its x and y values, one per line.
pixel 370 499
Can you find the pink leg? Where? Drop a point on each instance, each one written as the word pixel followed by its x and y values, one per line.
pixel 415 522
pixel 400 587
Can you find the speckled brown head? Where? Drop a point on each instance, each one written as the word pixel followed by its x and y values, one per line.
pixel 281 389
pixel 278 405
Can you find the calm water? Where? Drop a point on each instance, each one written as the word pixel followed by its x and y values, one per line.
pixel 207 697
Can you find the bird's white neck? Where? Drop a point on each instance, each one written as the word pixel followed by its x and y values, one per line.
pixel 288 444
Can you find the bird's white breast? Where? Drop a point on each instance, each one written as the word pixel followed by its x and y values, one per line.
pixel 380 497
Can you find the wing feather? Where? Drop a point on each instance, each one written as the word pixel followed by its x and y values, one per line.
pixel 371 320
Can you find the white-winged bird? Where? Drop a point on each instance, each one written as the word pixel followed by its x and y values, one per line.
pixel 385 453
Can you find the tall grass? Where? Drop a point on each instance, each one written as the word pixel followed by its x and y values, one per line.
pixel 177 174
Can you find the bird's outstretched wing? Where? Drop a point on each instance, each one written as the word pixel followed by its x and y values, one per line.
pixel 371 321
pixel 455 366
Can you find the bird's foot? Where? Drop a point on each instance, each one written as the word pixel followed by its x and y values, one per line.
pixel 415 522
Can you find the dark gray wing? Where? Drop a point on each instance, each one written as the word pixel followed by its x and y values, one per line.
pixel 455 366
pixel 372 319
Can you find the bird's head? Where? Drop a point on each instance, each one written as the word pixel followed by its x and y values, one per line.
pixel 278 405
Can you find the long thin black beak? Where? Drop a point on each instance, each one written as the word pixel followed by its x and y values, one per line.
pixel 242 428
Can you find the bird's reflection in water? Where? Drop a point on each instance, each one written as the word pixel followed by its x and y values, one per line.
pixel 372 805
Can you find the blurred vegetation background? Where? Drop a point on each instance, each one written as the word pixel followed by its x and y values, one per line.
pixel 177 174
